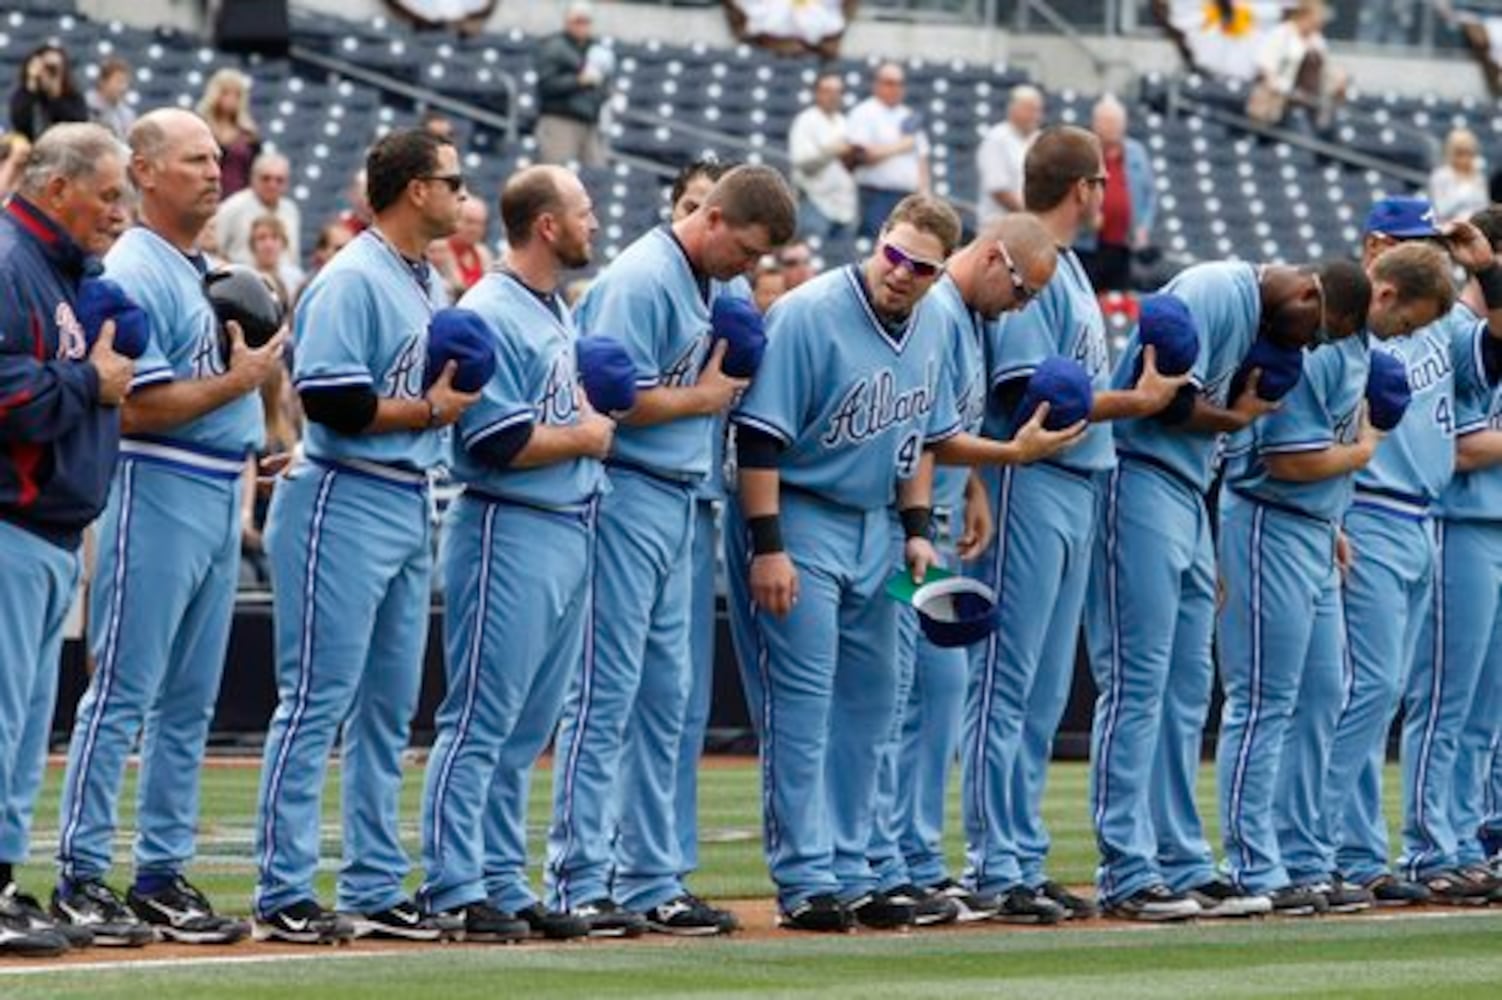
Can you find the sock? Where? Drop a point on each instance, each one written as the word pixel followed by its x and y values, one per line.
pixel 152 882
pixel 7 874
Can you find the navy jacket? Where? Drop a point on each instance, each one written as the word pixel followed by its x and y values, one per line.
pixel 57 444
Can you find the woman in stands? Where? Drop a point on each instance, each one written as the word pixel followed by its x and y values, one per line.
pixel 225 105
pixel 45 93
pixel 1458 187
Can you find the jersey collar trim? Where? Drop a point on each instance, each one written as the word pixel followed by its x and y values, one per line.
pixel 896 339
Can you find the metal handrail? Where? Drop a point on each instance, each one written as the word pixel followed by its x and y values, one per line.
pixel 425 95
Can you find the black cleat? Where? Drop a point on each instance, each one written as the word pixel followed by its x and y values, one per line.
pixel 1389 890
pixel 972 906
pixel 820 914
pixel 1076 907
pixel 1343 897
pixel 606 918
pixel 18 935
pixel 1154 904
pixel 551 924
pixel 98 908
pixel 883 912
pixel 20 904
pixel 930 909
pixel 1219 898
pixel 482 923
pixel 1021 905
pixel 1460 887
pixel 689 916
pixel 1298 901
pixel 179 912
pixel 304 922
pixel 405 922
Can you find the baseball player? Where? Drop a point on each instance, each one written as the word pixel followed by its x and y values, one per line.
pixel 1000 271
pixel 516 559
pixel 349 537
pixel 1150 602
pixel 169 556
pixel 1450 709
pixel 1038 560
pixel 1389 585
pixel 59 400
pixel 851 390
pixel 1281 636
pixel 622 726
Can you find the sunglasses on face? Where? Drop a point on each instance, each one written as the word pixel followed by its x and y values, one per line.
pixel 1021 293
pixel 920 268
pixel 454 181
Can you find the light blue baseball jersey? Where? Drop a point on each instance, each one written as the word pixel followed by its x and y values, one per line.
pixel 652 301
pixel 363 321
pixel 1475 495
pixel 853 402
pixel 1225 301
pixel 1065 319
pixel 535 382
pixel 713 485
pixel 1322 410
pixel 1444 362
pixel 184 341
pixel 961 332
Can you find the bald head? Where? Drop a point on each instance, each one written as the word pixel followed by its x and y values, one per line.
pixel 156 131
pixel 1026 238
pixel 174 163
pixel 545 208
pixel 1006 265
pixel 1025 108
pixel 1109 120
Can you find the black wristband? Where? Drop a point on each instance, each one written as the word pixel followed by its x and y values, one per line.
pixel 766 534
pixel 1490 280
pixel 916 521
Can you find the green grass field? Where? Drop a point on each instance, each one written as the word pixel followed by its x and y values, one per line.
pixel 1433 953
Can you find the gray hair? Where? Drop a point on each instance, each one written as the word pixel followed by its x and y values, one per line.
pixel 71 151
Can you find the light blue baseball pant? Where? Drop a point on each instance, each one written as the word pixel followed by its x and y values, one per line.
pixel 1476 799
pixel 701 684
pixel 350 564
pixel 1149 618
pixel 907 826
pixel 612 831
pixel 821 685
pixel 515 584
pixel 1039 564
pixel 1460 631
pixel 1277 624
pixel 36 591
pixel 1386 595
pixel 159 620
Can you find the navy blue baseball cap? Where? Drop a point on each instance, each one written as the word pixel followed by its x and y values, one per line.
pixel 956 611
pixel 1065 385
pixel 1402 216
pixel 1164 321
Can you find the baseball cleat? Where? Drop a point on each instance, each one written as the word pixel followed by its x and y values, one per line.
pixel 551 924
pixel 689 916
pixel 482 923
pixel 1076 907
pixel 18 904
pixel 1154 904
pixel 1219 898
pixel 405 922
pixel 1343 897
pixel 1021 905
pixel 304 922
pixel 20 937
pixel 930 909
pixel 881 911
pixel 95 906
pixel 606 918
pixel 179 912
pixel 1298 901
pixel 1460 887
pixel 821 914
pixel 972 906
pixel 1389 890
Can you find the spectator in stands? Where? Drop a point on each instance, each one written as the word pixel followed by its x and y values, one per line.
pixel 356 217
pixel 331 239
pixel 436 123
pixel 573 73
pixel 797 262
pixel 268 255
pixel 13 151
pixel 1296 87
pixel 225 105
pixel 889 146
pixel 208 245
pixel 440 258
pixel 1458 187
pixel 768 284
pixel 470 257
pixel 267 195
pixel 45 93
pixel 1130 201
pixel 821 152
pixel 106 99
pixel 999 159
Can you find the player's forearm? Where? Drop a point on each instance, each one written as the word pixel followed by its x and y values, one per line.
pixel 760 491
pixel 918 491
pixel 1479 450
pixel 1121 404
pixel 1315 466
pixel 663 405
pixel 392 416
pixel 551 445
pixel 152 409
pixel 1207 418
pixel 972 449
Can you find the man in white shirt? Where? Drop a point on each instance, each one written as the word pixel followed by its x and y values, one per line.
pixel 818 147
pixel 269 176
pixel 999 159
pixel 890 146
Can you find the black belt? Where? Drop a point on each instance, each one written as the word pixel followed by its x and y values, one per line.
pixel 678 482
pixel 1283 508
pixel 1165 468
pixel 579 510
